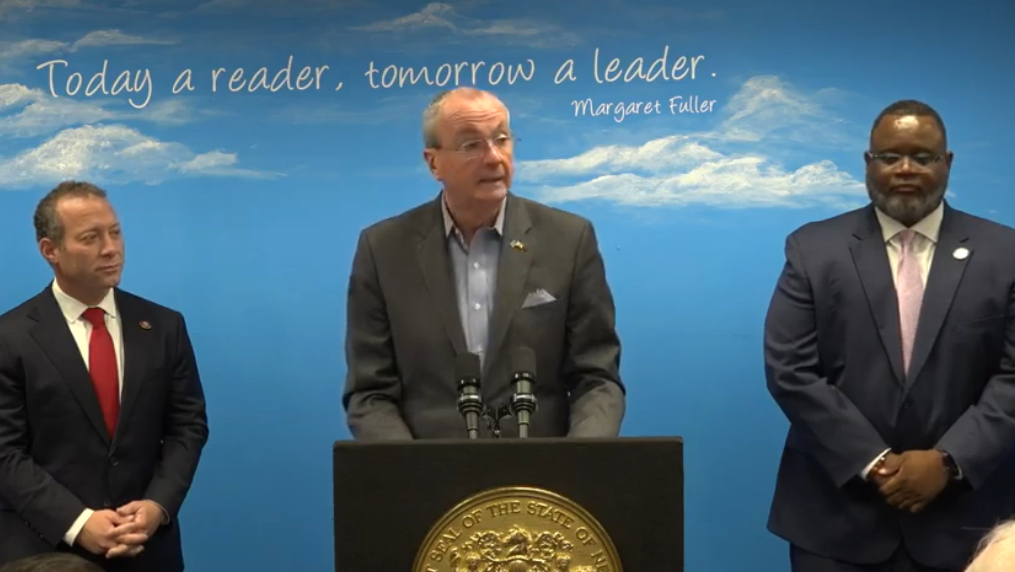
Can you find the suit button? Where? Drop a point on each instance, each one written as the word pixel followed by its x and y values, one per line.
pixel 907 404
pixel 114 461
pixel 106 503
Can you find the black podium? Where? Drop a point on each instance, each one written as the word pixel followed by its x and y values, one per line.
pixel 389 496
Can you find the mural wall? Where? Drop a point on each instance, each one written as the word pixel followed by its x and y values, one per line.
pixel 245 143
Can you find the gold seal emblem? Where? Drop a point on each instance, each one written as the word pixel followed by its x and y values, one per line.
pixel 517 529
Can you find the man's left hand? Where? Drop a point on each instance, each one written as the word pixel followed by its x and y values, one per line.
pixel 920 478
pixel 146 518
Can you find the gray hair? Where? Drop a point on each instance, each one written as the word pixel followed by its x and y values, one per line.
pixel 47 221
pixel 996 551
pixel 52 562
pixel 432 113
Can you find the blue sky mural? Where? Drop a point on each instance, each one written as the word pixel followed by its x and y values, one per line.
pixel 241 204
pixel 780 118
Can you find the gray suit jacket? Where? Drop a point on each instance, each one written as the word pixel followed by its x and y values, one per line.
pixel 403 328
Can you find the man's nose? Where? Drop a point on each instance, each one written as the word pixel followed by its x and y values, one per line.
pixel 110 246
pixel 491 154
pixel 907 166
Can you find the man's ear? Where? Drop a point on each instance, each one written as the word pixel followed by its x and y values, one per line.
pixel 48 250
pixel 431 162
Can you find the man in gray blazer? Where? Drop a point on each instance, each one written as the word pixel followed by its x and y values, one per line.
pixel 478 270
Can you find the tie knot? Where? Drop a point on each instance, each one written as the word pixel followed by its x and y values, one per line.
pixel 906 237
pixel 97 316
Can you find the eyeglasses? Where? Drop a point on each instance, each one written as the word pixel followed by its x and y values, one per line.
pixel 474 148
pixel 922 159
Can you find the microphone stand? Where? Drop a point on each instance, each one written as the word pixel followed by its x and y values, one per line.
pixel 523 404
pixel 470 405
pixel 493 416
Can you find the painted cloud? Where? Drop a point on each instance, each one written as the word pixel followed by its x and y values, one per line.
pixel 452 26
pixel 89 144
pixel 112 154
pixel 705 168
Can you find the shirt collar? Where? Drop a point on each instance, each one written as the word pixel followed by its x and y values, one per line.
pixel 73 308
pixel 449 223
pixel 929 227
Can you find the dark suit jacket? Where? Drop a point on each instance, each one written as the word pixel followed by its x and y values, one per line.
pixel 833 359
pixel 56 457
pixel 404 329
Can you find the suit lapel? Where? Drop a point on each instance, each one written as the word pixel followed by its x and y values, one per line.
pixel 54 337
pixel 138 345
pixel 517 249
pixel 871 259
pixel 435 264
pixel 946 273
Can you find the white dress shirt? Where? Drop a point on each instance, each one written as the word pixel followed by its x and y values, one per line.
pixel 81 329
pixel 924 243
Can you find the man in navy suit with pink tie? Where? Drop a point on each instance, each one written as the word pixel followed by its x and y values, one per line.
pixel 890 346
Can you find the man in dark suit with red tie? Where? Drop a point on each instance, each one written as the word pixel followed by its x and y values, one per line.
pixel 890 346
pixel 102 412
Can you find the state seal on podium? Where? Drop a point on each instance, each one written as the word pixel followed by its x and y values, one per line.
pixel 517 529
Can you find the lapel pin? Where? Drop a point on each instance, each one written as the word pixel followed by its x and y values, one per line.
pixel 517 245
pixel 961 253
pixel 145 325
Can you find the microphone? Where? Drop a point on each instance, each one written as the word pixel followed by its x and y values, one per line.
pixel 523 402
pixel 470 402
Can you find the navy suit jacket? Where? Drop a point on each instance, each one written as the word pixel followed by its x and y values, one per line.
pixel 56 456
pixel 833 361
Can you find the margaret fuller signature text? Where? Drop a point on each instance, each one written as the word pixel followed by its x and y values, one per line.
pixel 620 110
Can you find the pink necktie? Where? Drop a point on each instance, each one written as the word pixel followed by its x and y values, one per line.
pixel 910 291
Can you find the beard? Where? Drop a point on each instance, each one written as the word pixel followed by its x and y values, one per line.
pixel 907 208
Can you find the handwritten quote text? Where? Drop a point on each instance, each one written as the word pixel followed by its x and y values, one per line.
pixel 138 85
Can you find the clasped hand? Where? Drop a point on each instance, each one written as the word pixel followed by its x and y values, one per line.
pixel 121 532
pixel 912 480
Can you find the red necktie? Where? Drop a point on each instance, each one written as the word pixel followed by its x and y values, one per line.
pixel 102 366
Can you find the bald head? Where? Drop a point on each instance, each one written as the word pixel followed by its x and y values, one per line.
pixel 433 113
pixel 997 551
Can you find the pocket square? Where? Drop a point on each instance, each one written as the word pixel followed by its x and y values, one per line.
pixel 537 298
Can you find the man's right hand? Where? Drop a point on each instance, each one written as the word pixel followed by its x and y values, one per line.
pixel 97 535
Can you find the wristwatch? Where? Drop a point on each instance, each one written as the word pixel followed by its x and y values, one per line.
pixel 950 465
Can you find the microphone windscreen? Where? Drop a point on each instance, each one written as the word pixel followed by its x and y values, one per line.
pixel 467 366
pixel 523 360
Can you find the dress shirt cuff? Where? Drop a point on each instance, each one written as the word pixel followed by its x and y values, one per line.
pixel 870 467
pixel 75 529
pixel 165 513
